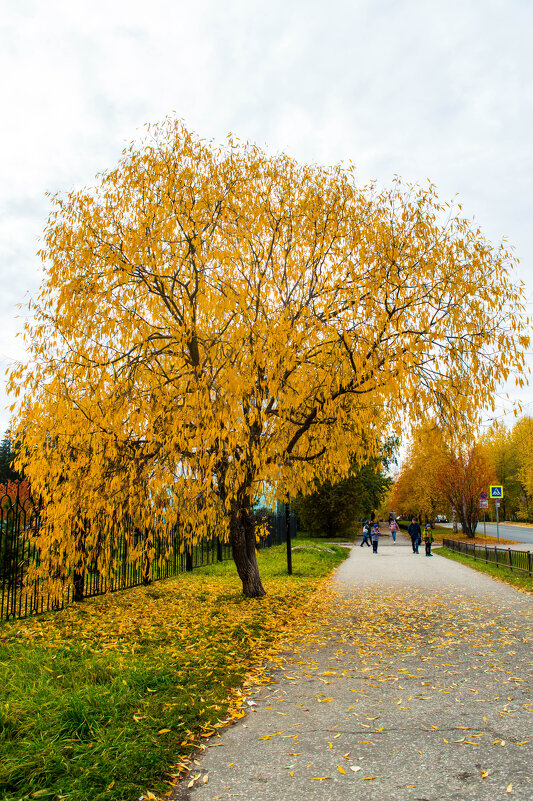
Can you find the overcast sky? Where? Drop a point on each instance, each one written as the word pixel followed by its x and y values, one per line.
pixel 419 88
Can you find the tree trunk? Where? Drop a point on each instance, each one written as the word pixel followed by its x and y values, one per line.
pixel 79 567
pixel 468 521
pixel 242 538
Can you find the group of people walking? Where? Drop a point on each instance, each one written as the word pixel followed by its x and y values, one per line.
pixel 371 534
pixel 415 533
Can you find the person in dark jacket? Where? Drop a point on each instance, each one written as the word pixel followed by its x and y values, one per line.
pixel 415 533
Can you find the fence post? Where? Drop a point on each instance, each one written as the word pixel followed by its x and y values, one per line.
pixel 188 558
pixel 219 550
pixel 529 562
pixel 79 574
pixel 510 559
pixel 288 535
pixel 496 555
pixel 148 545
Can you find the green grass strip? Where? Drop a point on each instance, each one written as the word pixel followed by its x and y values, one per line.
pixel 514 577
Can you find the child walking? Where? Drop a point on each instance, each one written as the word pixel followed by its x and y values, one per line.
pixel 428 539
pixel 375 538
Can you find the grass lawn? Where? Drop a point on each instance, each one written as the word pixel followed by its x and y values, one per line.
pixel 106 699
pixel 513 577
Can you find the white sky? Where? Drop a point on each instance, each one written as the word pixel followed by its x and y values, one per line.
pixel 420 88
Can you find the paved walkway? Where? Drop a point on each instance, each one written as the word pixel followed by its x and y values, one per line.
pixel 418 687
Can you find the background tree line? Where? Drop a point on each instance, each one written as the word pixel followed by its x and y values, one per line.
pixel 437 477
pixel 335 508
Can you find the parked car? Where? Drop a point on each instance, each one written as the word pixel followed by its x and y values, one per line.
pixel 441 519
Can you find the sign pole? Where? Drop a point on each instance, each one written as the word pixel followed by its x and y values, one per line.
pixel 496 492
pixel 484 525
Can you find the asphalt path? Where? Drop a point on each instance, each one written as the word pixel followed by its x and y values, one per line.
pixel 414 686
pixel 520 534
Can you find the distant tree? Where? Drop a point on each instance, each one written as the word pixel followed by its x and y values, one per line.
pixel 461 478
pixel 416 492
pixel 334 508
pixel 7 455
pixel 509 456
pixel 522 449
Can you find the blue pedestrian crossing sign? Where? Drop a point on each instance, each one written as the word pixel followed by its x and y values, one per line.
pixel 496 491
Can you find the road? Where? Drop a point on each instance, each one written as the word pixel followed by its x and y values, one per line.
pixel 516 533
pixel 413 684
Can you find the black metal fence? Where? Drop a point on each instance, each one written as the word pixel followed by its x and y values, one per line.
pixel 501 557
pixel 20 521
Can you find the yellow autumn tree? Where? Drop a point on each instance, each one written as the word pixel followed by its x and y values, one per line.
pixel 217 323
pixel 443 471
pixel 508 457
pixel 415 492
pixel 521 447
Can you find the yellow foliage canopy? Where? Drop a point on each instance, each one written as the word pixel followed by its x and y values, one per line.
pixel 214 324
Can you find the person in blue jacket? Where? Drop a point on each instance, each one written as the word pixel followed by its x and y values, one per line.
pixel 375 537
pixel 366 534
